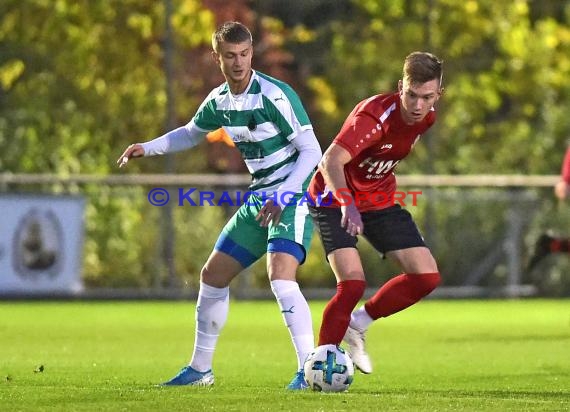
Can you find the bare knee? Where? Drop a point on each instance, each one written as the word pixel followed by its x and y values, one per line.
pixel 217 277
pixel 281 266
pixel 206 276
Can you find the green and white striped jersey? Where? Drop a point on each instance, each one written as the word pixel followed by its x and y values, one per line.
pixel 262 121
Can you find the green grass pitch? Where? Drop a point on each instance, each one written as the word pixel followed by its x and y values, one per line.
pixel 511 355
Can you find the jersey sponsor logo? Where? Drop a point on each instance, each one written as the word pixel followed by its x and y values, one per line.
pixel 377 168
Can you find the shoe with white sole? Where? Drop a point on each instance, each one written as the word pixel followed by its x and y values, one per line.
pixel 190 376
pixel 356 348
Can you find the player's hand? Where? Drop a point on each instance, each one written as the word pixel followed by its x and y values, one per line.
pixel 133 150
pixel 562 190
pixel 351 219
pixel 270 212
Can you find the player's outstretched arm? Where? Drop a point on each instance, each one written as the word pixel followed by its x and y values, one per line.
pixel 133 150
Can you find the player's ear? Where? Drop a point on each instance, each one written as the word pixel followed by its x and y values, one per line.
pixel 215 56
pixel 400 86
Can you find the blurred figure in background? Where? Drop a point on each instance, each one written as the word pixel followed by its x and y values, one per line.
pixel 547 243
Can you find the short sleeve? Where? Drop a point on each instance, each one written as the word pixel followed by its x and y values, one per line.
pixel 566 166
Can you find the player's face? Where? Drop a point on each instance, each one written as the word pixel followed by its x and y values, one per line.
pixel 234 60
pixel 418 99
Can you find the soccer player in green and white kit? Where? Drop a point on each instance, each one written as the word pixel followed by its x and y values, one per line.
pixel 266 120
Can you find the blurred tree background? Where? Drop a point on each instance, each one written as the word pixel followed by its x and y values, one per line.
pixel 82 79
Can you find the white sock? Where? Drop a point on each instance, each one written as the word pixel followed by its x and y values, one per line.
pixel 211 313
pixel 360 319
pixel 297 317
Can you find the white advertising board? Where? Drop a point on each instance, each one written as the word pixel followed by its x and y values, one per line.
pixel 41 243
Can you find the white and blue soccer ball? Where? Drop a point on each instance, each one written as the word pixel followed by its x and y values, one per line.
pixel 328 368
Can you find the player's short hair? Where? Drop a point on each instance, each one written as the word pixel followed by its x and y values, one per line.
pixel 231 32
pixel 421 67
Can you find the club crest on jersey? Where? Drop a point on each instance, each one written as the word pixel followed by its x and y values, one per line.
pixel 377 168
pixel 238 138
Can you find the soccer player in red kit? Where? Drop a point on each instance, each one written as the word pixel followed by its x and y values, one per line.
pixel 353 191
pixel 547 243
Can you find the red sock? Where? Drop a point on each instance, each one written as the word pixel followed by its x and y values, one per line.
pixel 336 315
pixel 401 292
pixel 560 245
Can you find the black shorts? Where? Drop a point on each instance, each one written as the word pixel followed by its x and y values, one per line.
pixel 387 229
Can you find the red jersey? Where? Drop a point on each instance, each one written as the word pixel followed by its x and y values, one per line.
pixel 565 173
pixel 377 138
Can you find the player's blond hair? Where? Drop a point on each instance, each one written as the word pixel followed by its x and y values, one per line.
pixel 231 32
